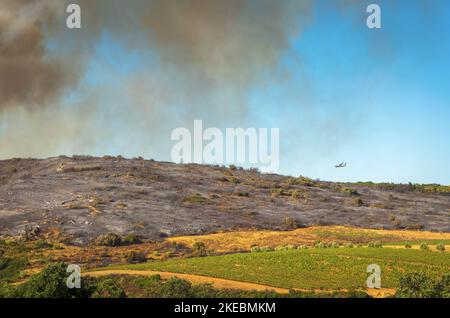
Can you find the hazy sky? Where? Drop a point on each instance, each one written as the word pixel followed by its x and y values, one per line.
pixel 377 99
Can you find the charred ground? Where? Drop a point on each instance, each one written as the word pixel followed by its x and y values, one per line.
pixel 77 199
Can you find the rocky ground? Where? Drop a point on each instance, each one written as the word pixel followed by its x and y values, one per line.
pixel 77 199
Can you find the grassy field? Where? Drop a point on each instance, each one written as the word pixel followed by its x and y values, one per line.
pixel 330 269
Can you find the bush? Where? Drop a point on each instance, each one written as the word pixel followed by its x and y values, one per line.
pixel 176 288
pixel 443 287
pixel 349 245
pixel 6 290
pixel 321 245
pixel 10 269
pixel 415 227
pixel 299 195
pixel 135 257
pixel 277 192
pixel 350 191
pixel 357 202
pixel 424 247
pixel 256 249
pixel 4 262
pixel 290 224
pixel 419 285
pixel 51 283
pixel 199 249
pixel 109 288
pixel 408 246
pixel 440 247
pixel 42 244
pixel 375 244
pixel 194 199
pixel 109 239
pixel 131 239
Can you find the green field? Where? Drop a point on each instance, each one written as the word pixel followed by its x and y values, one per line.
pixel 332 268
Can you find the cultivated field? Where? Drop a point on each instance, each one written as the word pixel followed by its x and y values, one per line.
pixel 326 269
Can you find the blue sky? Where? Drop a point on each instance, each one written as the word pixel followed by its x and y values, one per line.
pixel 380 98
pixel 377 99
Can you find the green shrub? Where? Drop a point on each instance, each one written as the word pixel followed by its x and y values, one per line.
pixel 4 262
pixel 6 290
pixel 424 247
pixel 417 285
pixel 10 269
pixel 109 239
pixel 41 244
pixel 109 288
pixel 266 249
pixel 375 244
pixel 176 288
pixel 408 246
pixel 51 283
pixel 443 287
pixel 349 245
pixel 255 249
pixel 440 247
pixel 131 239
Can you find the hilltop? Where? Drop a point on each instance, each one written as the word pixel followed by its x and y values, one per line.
pixel 76 199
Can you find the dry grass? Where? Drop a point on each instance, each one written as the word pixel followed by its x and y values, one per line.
pixel 244 240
